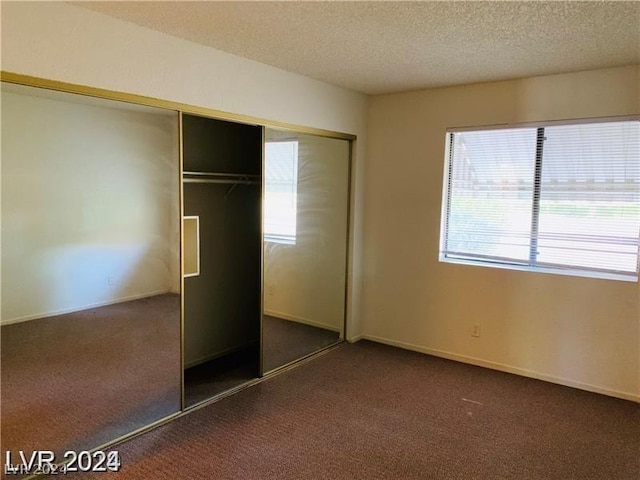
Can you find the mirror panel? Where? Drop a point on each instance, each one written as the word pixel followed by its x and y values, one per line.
pixel 306 203
pixel 90 319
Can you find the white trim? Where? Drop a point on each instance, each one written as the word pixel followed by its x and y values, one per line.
pixel 64 311
pixel 573 272
pixel 355 339
pixel 506 368
pixel 306 321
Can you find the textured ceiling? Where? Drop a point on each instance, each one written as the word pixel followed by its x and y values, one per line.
pixel 381 47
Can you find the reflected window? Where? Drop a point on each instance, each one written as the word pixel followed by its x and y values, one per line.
pixel 281 191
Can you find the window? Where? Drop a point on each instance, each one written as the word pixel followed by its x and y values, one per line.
pixel 281 191
pixel 556 198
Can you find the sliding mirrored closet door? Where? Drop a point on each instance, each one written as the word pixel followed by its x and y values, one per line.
pixel 90 269
pixel 306 204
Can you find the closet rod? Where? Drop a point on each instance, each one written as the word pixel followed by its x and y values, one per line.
pixel 220 180
pixel 220 175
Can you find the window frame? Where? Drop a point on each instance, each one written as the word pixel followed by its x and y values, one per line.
pixel 510 264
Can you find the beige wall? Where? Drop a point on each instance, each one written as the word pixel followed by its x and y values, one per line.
pixel 89 204
pixel 63 42
pixel 305 282
pixel 577 331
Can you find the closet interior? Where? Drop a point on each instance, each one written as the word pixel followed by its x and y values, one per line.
pixel 222 190
pixel 154 259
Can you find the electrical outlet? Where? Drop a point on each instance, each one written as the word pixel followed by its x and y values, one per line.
pixel 110 280
pixel 475 330
pixel 270 290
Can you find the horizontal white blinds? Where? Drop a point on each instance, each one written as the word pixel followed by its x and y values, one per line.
pixel 557 196
pixel 491 193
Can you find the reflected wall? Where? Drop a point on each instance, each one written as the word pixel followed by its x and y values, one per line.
pixel 90 269
pixel 305 244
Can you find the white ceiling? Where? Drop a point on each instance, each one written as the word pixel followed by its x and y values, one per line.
pixel 382 47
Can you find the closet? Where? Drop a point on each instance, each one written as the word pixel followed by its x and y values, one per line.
pixel 222 185
pixel 155 258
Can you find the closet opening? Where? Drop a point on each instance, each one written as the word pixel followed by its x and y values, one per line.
pixel 222 185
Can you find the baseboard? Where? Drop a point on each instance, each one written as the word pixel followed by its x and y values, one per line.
pixel 505 368
pixel 64 311
pixel 306 321
pixel 356 339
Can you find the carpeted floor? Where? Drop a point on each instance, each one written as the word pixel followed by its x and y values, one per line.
pixel 369 411
pixel 78 380
pixel 285 341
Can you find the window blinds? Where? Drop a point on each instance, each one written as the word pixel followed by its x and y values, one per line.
pixel 557 197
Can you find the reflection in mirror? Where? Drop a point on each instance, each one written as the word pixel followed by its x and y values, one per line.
pixel 305 245
pixel 90 269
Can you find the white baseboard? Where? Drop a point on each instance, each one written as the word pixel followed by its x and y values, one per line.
pixel 306 321
pixel 64 311
pixel 356 338
pixel 505 368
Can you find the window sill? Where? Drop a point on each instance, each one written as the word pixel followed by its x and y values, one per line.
pixel 573 272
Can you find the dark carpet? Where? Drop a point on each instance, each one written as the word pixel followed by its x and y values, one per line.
pixel 78 380
pixel 369 411
pixel 285 341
